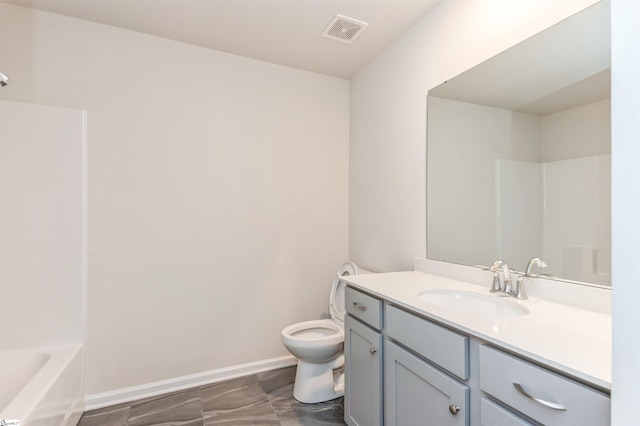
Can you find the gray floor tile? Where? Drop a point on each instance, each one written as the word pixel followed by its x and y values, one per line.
pixel 256 414
pixel 325 413
pixel 293 413
pixel 181 408
pixel 262 399
pixel 232 394
pixel 237 402
pixel 110 416
pixel 275 379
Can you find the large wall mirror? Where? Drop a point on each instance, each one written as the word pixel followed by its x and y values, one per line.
pixel 519 155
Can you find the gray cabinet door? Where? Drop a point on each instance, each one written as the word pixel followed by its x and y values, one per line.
pixel 363 374
pixel 418 394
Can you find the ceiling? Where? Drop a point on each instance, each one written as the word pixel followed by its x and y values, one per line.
pixel 285 32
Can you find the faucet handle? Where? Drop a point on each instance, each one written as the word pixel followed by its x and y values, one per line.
pixel 497 267
pixel 495 287
pixel 508 287
pixel 520 292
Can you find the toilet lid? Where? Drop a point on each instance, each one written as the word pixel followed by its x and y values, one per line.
pixel 336 300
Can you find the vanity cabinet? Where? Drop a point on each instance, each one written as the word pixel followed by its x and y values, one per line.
pixel 363 359
pixel 402 368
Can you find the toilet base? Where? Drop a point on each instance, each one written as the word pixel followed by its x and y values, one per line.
pixel 316 383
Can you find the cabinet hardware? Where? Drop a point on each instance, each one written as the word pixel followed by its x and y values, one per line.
pixel 454 409
pixel 373 351
pixel 540 401
pixel 359 306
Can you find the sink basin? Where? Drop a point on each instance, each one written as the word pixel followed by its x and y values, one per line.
pixel 473 303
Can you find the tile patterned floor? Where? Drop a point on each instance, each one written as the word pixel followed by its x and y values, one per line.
pixel 261 399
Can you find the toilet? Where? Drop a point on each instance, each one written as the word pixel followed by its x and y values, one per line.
pixel 318 345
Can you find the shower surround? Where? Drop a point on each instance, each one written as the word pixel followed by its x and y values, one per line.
pixel 42 263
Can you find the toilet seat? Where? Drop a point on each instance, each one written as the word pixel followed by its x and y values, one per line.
pixel 315 329
pixel 316 332
pixel 336 298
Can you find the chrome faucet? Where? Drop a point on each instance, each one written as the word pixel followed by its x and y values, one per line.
pixel 498 266
pixel 520 292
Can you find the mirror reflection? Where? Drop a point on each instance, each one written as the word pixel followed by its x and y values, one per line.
pixel 519 155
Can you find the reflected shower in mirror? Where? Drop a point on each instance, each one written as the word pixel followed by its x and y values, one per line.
pixel 519 155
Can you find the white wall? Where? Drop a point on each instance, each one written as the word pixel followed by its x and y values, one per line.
pixel 625 200
pixel 42 227
pixel 217 192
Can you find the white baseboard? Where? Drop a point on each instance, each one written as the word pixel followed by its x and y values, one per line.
pixel 119 396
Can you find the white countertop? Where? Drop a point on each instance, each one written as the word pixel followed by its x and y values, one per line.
pixel 574 341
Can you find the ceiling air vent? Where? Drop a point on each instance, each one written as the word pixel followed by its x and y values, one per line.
pixel 344 30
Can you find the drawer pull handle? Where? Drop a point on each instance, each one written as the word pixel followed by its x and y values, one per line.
pixel 549 404
pixel 372 351
pixel 359 306
pixel 454 409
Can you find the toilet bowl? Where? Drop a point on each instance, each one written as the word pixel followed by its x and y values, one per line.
pixel 318 346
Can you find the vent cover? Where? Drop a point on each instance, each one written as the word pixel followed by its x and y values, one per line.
pixel 344 30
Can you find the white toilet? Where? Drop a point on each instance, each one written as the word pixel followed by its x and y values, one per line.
pixel 318 346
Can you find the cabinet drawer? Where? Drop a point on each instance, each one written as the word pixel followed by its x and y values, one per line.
pixel 364 307
pixel 543 395
pixel 439 345
pixel 492 414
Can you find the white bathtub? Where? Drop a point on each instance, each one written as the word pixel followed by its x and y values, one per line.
pixel 42 386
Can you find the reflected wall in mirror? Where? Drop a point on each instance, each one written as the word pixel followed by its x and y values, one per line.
pixel 519 155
